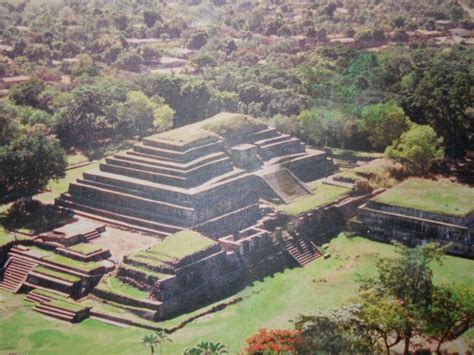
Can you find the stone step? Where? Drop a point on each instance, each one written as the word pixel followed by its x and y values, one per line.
pixel 135 206
pixel 263 134
pixel 6 287
pixel 54 314
pixel 185 156
pixel 156 141
pixel 37 298
pixel 48 307
pixel 168 165
pixel 285 185
pixel 147 189
pixel 115 218
pixel 272 140
pixel 286 147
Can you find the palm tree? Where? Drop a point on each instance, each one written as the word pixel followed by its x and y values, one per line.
pixel 207 348
pixel 161 337
pixel 151 341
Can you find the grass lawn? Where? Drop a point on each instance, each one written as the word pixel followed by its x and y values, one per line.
pixel 84 248
pixel 7 237
pixel 354 154
pixel 271 303
pixel 182 244
pixel 114 285
pixel 56 274
pixel 323 193
pixel 78 158
pixel 59 259
pixel 73 307
pixel 441 197
pixel 56 188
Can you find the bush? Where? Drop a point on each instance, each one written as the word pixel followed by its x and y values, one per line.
pixel 275 341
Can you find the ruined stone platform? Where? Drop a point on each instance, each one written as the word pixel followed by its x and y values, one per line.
pixel 419 211
pixel 207 176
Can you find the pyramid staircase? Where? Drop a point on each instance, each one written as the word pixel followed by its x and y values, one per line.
pixel 301 250
pixel 15 273
pixel 285 185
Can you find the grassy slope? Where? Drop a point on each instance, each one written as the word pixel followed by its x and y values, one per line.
pixel 182 244
pixel 272 304
pixel 432 196
pixel 323 193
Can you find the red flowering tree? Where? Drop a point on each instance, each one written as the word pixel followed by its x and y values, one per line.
pixel 277 341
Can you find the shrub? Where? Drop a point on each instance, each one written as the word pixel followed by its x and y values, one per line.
pixel 273 341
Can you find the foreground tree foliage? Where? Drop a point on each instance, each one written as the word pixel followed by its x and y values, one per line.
pixel 28 163
pixel 416 149
pixel 401 304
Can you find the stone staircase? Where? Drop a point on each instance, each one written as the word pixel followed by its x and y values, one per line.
pixel 302 250
pixel 15 273
pixel 285 185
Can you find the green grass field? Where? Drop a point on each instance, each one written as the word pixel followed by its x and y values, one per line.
pixel 271 303
pixel 56 188
pixel 441 197
pixel 182 244
pixel 58 274
pixel 323 193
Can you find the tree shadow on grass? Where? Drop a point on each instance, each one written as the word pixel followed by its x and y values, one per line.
pixel 33 217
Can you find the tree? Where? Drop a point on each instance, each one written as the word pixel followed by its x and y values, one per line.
pixel 150 18
pixel 197 40
pixel 203 60
pixel 416 149
pixel 335 332
pixel 207 348
pixel 438 92
pixel 27 93
pixel 151 341
pixel 130 61
pixel 163 117
pixel 160 338
pixel 81 116
pixel 136 115
pixel 121 22
pixel 451 312
pixel 28 163
pixel 407 278
pixel 9 125
pixel 274 341
pixel 383 123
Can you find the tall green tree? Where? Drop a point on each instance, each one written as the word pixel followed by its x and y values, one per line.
pixel 416 149
pixel 28 163
pixel 438 91
pixel 27 93
pixel 383 123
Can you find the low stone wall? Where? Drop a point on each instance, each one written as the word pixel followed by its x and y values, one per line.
pixel 417 227
pixel 461 221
